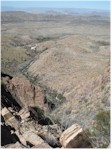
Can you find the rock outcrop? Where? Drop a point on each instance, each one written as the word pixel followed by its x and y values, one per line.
pixel 19 133
pixel 23 91
pixel 6 113
pixel 18 92
pixel 75 137
pixel 23 132
pixel 33 139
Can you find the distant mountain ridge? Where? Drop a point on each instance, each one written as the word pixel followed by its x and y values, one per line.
pixel 58 10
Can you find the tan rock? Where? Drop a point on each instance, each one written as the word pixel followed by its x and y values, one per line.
pixel 21 138
pixel 33 138
pixel 13 122
pixel 11 110
pixel 5 79
pixel 26 115
pixel 6 113
pixel 15 145
pixel 21 111
pixel 75 137
pixel 43 145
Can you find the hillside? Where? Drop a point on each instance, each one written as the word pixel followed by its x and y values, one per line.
pixel 65 54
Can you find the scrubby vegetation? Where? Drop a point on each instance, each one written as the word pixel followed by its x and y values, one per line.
pixel 43 39
pixel 12 55
pixel 35 80
pixel 54 99
pixel 100 132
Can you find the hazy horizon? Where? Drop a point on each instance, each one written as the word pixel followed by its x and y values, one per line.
pixel 96 5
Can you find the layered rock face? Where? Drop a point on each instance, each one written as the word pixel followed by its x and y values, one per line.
pixel 75 137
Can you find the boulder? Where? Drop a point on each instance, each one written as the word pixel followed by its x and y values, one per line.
pixel 34 139
pixel 11 110
pixel 13 122
pixel 6 113
pixel 24 113
pixel 25 116
pixel 75 137
pixel 21 138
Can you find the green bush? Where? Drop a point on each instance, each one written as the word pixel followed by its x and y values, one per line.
pixel 103 122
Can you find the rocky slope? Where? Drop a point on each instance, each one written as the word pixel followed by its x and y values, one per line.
pixel 23 125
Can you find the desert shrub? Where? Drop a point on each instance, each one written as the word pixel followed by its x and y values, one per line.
pixel 63 117
pixel 54 99
pixel 103 122
pixel 60 97
pixel 43 39
pixel 103 43
pixel 35 80
pixel 66 123
pixel 100 132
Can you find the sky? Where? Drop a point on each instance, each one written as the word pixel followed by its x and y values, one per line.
pixel 100 5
